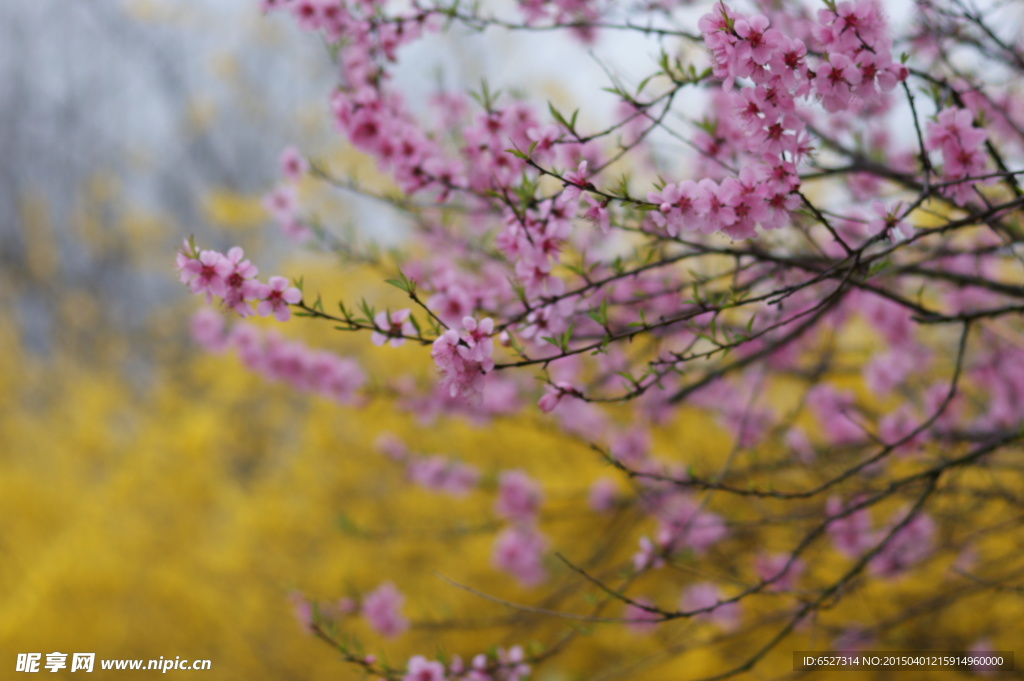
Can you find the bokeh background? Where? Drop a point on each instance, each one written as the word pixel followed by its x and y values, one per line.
pixel 154 498
pixel 159 500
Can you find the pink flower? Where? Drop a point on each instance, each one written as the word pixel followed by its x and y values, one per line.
pixel 275 298
pixel 295 231
pixel 382 609
pixel 391 328
pixel 911 544
pixel 511 662
pixel 761 41
pixel 518 551
pixel 293 166
pixel 302 609
pixel 519 496
pixel 392 447
pixel 885 371
pixel 836 412
pixel 834 81
pixel 208 330
pixel 478 345
pixel 281 203
pixel 206 273
pixel 463 359
pixel 240 284
pixel 778 569
pixel 442 475
pixel 963 156
pixel 632 446
pixel 707 596
pixel 649 556
pixel 576 181
pixel 421 669
pixel 597 212
pixel 887 222
pixel 644 621
pixel 851 535
pixel 684 525
pixel 603 495
pixel 800 445
pixel 554 394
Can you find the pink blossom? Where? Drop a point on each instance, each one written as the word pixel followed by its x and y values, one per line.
pixel 836 413
pixel 960 142
pixel 392 328
pixel 576 181
pixel 631 446
pixel 643 621
pixel 888 222
pixel 912 543
pixel 392 447
pixel 519 496
pixel 851 535
pixel 781 569
pixel 382 609
pixel 684 525
pixel 293 165
pixel 336 378
pixel 477 343
pixel 302 610
pixel 603 495
pixel 463 359
pixel 240 285
pixel 420 668
pixel 206 273
pixel 442 475
pixel 281 203
pixel 597 212
pixel 275 299
pixel 512 664
pixel 707 596
pixel 208 330
pixel 554 394
pixel 295 231
pixel 885 371
pixel 518 551
pixel 897 426
pixel 480 669
pixel 798 442
pixel 649 556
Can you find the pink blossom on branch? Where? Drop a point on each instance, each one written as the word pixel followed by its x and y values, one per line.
pixel 382 609
pixel 392 328
pixel 788 280
pixel 463 359
pixel 519 496
pixel 518 550
pixel 293 165
pixel 275 298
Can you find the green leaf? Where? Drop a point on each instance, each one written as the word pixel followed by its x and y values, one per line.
pixel 368 310
pixel 557 115
pixel 403 283
pixel 878 266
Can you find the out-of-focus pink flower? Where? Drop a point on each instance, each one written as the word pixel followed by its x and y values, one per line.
pixel 382 609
